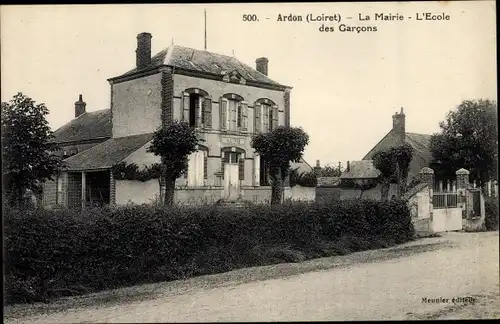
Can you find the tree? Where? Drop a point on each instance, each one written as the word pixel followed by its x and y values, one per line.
pixel 173 143
pixel 393 164
pixel 26 148
pixel 278 148
pixel 330 171
pixel 468 139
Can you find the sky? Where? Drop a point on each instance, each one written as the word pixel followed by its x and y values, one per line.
pixel 346 85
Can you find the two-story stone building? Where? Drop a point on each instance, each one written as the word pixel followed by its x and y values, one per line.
pixel 226 100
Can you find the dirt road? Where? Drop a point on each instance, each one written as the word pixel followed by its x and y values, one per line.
pixel 454 276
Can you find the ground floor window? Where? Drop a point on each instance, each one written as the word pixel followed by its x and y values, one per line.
pixel 197 169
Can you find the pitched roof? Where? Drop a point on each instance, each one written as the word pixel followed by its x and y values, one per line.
pixel 90 125
pixel 421 144
pixel 107 154
pixel 205 62
pixel 363 169
pixel 413 191
pixel 302 166
pixel 328 181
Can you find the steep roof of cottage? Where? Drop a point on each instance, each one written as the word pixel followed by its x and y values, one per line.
pixel 107 154
pixel 413 191
pixel 420 144
pixel 302 166
pixel 363 169
pixel 205 62
pixel 89 125
pixel 328 181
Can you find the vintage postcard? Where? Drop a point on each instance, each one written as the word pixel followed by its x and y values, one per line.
pixel 250 162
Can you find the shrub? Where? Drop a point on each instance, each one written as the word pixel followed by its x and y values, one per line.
pixel 491 213
pixel 304 179
pixel 52 253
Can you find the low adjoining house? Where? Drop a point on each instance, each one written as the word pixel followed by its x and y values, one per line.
pixel 86 130
pixel 226 101
pixel 360 180
pixel 398 136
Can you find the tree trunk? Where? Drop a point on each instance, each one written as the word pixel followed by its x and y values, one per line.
pixel 169 191
pixel 276 186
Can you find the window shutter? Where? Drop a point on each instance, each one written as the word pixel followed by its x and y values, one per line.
pixel 187 169
pixel 265 118
pixel 241 167
pixel 239 117
pixel 198 111
pixel 185 107
pixel 207 109
pixel 205 165
pixel 234 114
pixel 223 113
pixel 257 113
pixel 256 170
pixel 244 114
pixel 275 117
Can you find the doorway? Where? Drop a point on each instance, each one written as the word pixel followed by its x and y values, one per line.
pixel 231 175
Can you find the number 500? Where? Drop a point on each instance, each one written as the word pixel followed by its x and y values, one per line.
pixel 252 17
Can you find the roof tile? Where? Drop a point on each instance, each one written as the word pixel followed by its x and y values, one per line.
pixel 204 61
pixel 90 125
pixel 107 154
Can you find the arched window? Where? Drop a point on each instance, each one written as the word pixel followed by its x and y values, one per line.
pixel 197 108
pixel 265 115
pixel 233 113
pixel 197 168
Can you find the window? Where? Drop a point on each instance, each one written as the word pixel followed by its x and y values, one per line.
pixel 233 113
pixel 197 168
pixel 197 108
pixel 194 107
pixel 266 115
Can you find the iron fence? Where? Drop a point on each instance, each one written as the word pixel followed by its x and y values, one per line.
pixel 442 200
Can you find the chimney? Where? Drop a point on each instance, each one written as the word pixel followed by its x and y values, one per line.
pixel 143 51
pixel 348 169
pixel 261 65
pixel 398 125
pixel 80 107
pixel 317 169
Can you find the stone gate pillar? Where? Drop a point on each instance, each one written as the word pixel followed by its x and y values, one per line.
pixel 462 185
pixel 427 176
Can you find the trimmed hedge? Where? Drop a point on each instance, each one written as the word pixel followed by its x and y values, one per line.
pixel 68 252
pixel 491 213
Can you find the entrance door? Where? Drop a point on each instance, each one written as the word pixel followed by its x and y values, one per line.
pixel 231 175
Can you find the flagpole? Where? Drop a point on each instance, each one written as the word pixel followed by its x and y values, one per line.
pixel 205 29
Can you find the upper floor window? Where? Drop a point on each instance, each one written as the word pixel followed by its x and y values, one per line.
pixel 197 108
pixel 233 113
pixel 265 115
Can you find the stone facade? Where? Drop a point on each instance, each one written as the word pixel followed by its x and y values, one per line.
pixel 137 105
pixel 226 107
